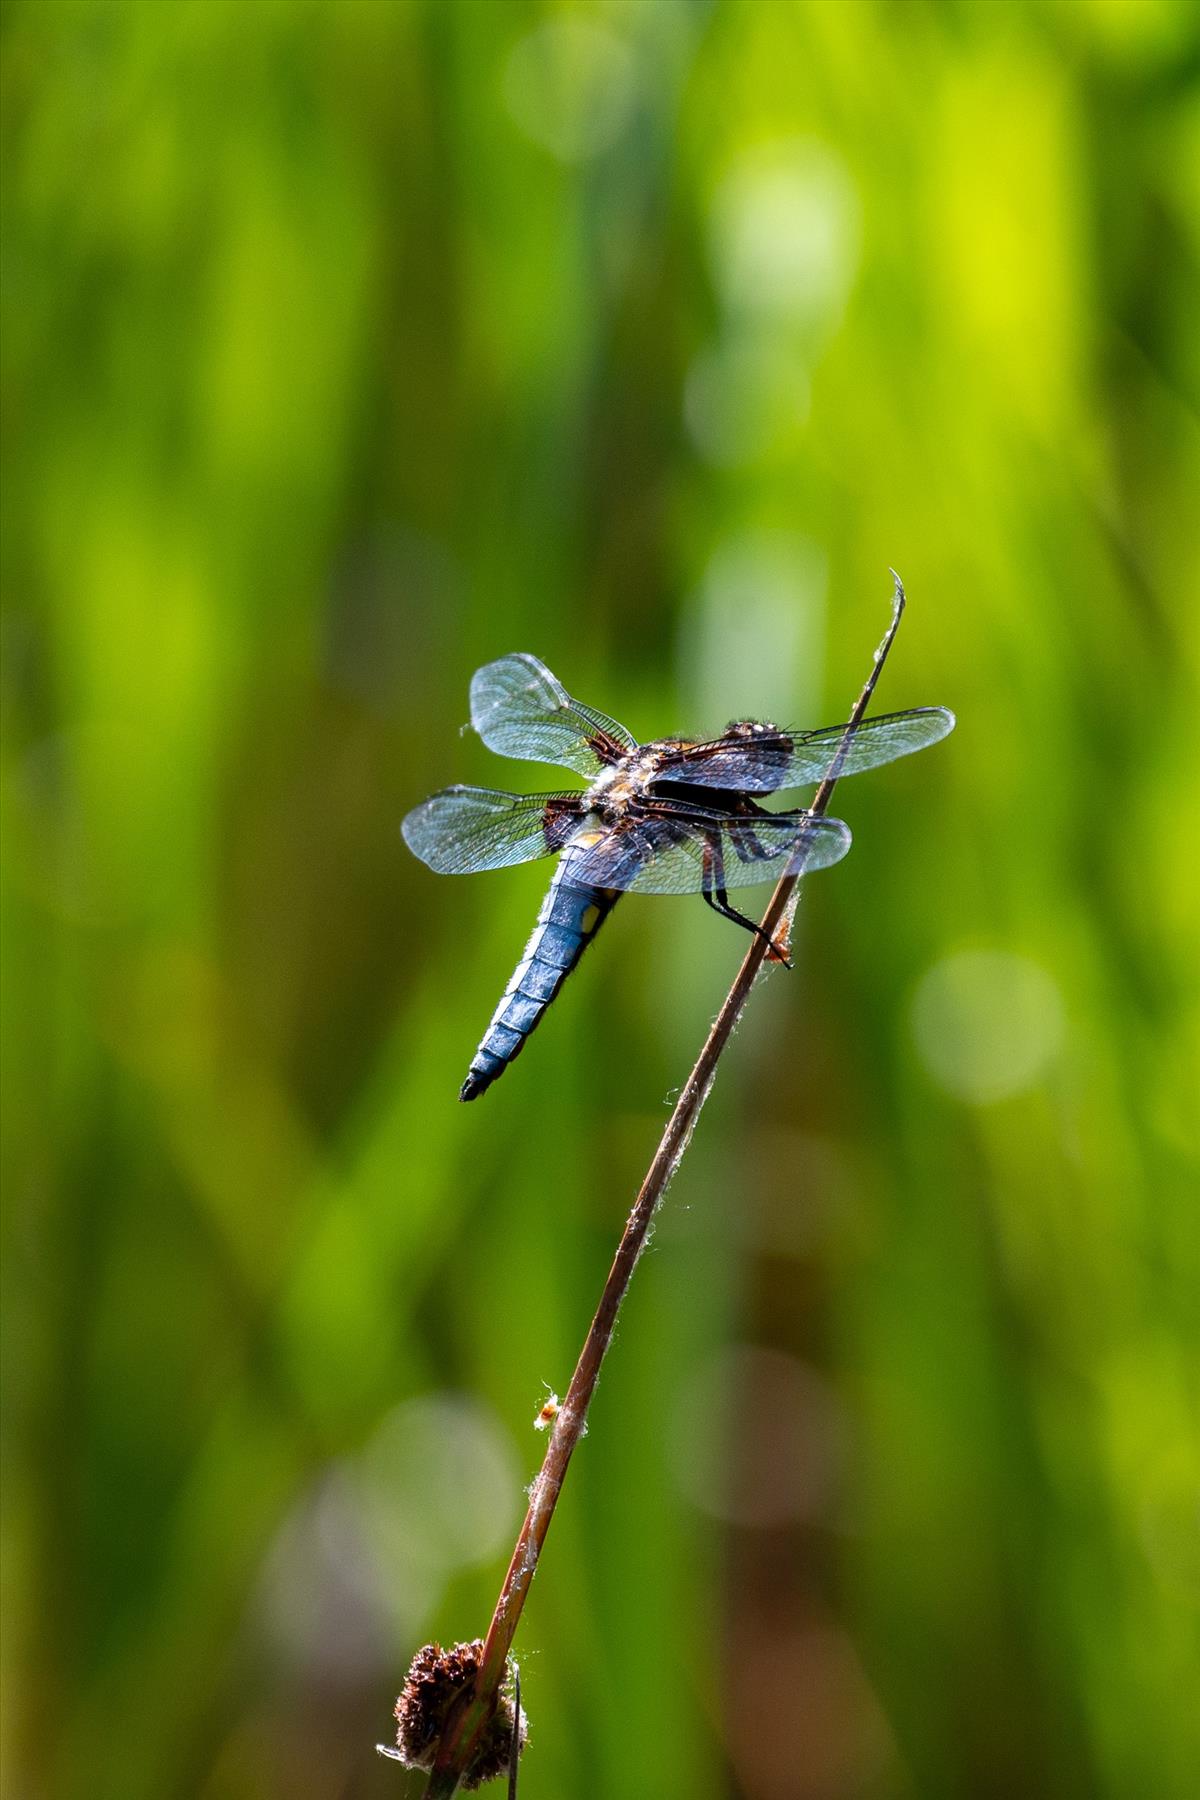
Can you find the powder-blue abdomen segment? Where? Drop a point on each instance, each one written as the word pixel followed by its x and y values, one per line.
pixel 570 916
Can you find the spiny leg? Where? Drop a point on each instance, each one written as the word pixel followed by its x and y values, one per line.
pixel 713 890
pixel 721 904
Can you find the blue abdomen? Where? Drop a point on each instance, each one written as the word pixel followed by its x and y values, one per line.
pixel 569 919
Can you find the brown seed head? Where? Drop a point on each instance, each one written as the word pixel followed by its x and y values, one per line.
pixel 435 1679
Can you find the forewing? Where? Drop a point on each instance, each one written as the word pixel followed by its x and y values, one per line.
pixel 520 709
pixel 666 854
pixel 464 829
pixel 757 759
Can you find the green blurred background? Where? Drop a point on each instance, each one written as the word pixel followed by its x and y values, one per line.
pixel 346 346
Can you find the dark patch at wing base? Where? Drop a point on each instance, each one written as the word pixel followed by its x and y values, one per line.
pixel 464 829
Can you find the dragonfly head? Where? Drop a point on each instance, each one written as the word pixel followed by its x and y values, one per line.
pixel 745 731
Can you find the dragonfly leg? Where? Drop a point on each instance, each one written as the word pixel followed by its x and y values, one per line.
pixel 720 903
pixel 713 890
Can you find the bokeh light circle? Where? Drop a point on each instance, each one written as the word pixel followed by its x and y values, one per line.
pixel 569 84
pixel 987 1023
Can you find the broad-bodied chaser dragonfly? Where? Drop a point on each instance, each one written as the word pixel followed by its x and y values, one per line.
pixel 677 816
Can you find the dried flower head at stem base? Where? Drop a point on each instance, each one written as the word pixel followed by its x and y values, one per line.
pixel 436 1679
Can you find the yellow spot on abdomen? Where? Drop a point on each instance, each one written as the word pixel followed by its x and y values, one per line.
pixel 590 919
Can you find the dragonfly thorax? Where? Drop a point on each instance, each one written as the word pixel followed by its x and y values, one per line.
pixel 624 781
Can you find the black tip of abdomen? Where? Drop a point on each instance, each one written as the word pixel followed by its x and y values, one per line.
pixel 480 1079
pixel 491 1059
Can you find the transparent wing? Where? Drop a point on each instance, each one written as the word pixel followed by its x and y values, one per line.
pixel 757 759
pixel 520 709
pixel 464 829
pixel 684 853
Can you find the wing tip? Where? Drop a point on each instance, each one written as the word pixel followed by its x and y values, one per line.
pixel 484 704
pixel 413 830
pixel 525 657
pixel 841 842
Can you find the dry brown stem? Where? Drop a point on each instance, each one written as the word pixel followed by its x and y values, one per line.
pixel 470 1717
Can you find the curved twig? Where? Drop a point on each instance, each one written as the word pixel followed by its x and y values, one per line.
pixel 470 1716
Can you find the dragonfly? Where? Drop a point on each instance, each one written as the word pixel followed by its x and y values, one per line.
pixel 675 816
